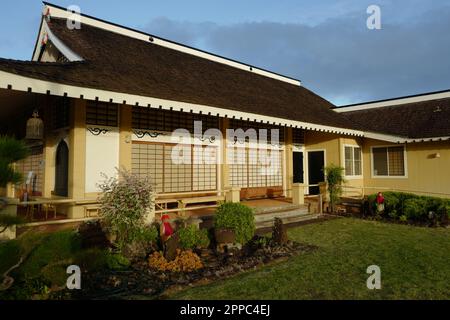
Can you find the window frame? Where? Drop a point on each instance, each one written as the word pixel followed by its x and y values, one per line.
pixel 405 162
pixel 353 176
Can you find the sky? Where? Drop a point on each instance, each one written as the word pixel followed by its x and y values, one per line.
pixel 326 44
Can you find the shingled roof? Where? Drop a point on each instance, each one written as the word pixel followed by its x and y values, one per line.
pixel 119 63
pixel 424 119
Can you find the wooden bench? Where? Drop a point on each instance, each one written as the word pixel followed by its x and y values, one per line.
pixel 162 203
pixel 184 202
pixel 91 208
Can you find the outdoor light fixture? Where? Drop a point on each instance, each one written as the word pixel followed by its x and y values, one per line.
pixel 35 127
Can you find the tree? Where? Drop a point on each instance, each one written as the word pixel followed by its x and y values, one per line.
pixel 11 150
pixel 335 179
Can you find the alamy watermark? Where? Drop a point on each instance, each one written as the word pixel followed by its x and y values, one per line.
pixel 374 280
pixel 74 19
pixel 374 20
pixel 243 147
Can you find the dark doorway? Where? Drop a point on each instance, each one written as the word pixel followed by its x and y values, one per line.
pixel 298 167
pixel 62 170
pixel 316 162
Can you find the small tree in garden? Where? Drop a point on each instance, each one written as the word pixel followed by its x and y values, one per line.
pixel 237 217
pixel 11 150
pixel 125 202
pixel 335 179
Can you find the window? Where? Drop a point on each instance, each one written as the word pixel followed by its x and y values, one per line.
pixel 298 136
pixel 250 170
pixel 353 165
pixel 168 121
pixel 155 160
pixel 245 125
pixel 102 114
pixel 388 161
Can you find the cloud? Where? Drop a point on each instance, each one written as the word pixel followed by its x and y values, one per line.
pixel 338 58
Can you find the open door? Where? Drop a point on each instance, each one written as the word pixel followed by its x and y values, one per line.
pixel 316 162
pixel 62 170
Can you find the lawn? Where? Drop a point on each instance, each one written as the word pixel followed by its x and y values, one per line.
pixel 414 262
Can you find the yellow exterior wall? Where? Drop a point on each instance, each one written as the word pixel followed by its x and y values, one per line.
pixel 288 163
pixel 77 156
pixel 329 142
pixel 333 144
pixel 426 174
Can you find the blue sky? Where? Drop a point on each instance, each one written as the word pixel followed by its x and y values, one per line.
pixel 324 43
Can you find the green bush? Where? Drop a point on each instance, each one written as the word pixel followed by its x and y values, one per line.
pixel 148 234
pixel 117 262
pixel 191 237
pixel 391 202
pixel 408 206
pixel 415 209
pixel 237 217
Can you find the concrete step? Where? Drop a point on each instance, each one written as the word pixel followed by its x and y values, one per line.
pixel 282 214
pixel 287 207
pixel 288 220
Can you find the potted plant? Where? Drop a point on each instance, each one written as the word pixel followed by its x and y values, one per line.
pixel 234 223
pixel 224 235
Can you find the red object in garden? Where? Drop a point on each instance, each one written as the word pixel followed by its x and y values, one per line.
pixel 167 229
pixel 380 198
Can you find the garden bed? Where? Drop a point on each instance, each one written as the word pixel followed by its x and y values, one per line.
pixel 405 209
pixel 141 280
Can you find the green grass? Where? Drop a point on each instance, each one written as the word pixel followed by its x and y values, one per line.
pixel 51 257
pixel 414 262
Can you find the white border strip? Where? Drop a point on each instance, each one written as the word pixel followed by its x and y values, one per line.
pixel 394 102
pixel 398 139
pixel 66 51
pixel 22 83
pixel 59 13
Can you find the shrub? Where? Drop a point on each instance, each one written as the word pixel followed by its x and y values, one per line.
pixel 335 179
pixel 391 202
pixel 125 202
pixel 191 237
pixel 11 150
pixel 237 217
pixel 415 209
pixel 117 262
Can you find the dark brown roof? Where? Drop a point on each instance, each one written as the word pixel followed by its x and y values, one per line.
pixel 122 64
pixel 425 119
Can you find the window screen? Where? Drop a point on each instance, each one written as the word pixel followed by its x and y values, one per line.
pixel 353 161
pixel 166 120
pixel 102 114
pixel 251 170
pixel 34 164
pixel 155 160
pixel 388 161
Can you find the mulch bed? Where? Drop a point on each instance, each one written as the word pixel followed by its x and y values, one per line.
pixel 142 281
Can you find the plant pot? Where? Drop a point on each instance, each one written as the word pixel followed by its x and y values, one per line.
pixel 224 235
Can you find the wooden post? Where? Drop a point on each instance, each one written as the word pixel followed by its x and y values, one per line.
pixel 233 195
pixel 298 193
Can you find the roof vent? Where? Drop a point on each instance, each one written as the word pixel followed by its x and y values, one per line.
pixel 438 109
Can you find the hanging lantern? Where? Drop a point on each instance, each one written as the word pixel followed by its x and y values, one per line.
pixel 35 127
